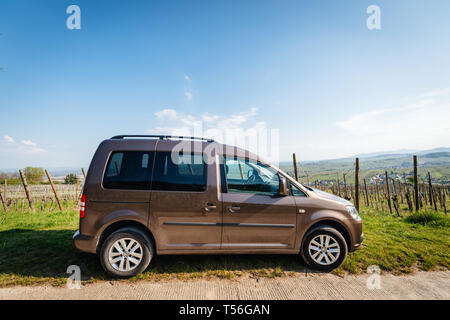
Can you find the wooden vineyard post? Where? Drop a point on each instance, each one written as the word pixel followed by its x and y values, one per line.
pixel 367 195
pixel 395 203
pixel 84 173
pixel 27 191
pixel 6 189
pixel 408 200
pixel 345 187
pixel 402 194
pixel 430 190
pixel 394 190
pixel 416 185
pixel 431 193
pixel 422 195
pixel 54 190
pixel 440 198
pixel 443 201
pixel 377 197
pixel 294 160
pixel 388 193
pixel 3 202
pixel 338 185
pixel 357 184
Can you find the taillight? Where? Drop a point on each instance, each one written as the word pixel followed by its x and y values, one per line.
pixel 82 206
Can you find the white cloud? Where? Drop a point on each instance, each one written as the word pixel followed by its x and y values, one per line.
pixel 28 143
pixel 8 139
pixel 25 146
pixel 239 129
pixel 208 118
pixel 187 78
pixel 421 124
pixel 166 114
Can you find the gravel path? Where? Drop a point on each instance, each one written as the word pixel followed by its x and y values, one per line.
pixel 420 285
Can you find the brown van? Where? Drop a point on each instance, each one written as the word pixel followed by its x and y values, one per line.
pixel 147 195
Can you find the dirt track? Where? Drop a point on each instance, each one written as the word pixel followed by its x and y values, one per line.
pixel 421 285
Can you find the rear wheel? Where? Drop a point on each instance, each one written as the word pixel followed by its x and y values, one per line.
pixel 324 248
pixel 126 252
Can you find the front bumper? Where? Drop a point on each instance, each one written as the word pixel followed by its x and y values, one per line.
pixel 357 246
pixel 84 243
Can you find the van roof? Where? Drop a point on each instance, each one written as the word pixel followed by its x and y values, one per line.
pixel 170 141
pixel 161 137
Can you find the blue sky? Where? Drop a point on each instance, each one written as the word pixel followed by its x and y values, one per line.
pixel 309 69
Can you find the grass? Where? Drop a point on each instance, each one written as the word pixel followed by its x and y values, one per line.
pixel 401 245
pixel 37 248
pixel 428 217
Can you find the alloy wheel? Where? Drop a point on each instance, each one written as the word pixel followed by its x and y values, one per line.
pixel 125 254
pixel 324 249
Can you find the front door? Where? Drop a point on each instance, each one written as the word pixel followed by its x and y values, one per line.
pixel 254 214
pixel 185 212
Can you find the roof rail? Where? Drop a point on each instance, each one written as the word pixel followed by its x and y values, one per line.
pixel 161 137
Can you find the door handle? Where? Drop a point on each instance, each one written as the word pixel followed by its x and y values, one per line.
pixel 234 209
pixel 209 207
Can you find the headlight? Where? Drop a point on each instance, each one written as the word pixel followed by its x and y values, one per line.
pixel 353 212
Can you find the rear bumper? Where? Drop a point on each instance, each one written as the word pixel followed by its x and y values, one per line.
pixel 84 243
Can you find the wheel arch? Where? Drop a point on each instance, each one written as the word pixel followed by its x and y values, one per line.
pixel 122 224
pixel 330 223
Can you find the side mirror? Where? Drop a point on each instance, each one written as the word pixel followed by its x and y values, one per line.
pixel 283 190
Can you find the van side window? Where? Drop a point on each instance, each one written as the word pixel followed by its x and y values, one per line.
pixel 297 192
pixel 187 174
pixel 248 176
pixel 128 170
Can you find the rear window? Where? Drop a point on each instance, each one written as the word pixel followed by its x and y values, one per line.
pixel 188 174
pixel 129 170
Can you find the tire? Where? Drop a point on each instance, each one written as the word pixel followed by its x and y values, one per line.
pixel 317 255
pixel 136 257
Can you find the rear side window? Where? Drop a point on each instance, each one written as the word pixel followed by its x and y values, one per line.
pixel 187 174
pixel 129 170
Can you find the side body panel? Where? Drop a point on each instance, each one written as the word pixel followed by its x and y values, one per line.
pixel 261 222
pixel 106 206
pixel 184 220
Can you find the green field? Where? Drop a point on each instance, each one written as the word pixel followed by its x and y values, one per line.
pixel 37 248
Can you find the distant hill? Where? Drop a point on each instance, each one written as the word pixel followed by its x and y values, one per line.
pixel 401 152
pixel 435 161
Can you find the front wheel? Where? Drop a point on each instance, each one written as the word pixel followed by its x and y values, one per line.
pixel 324 248
pixel 126 253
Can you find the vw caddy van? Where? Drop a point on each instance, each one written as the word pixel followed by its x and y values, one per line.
pixel 148 195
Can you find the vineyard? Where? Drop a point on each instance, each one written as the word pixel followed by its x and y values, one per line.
pixel 387 193
pixel 41 197
pixel 14 197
